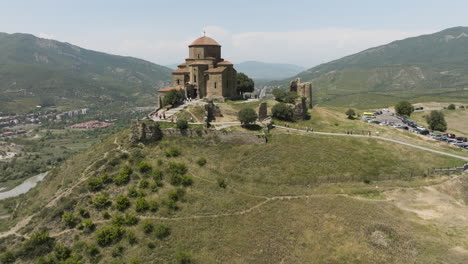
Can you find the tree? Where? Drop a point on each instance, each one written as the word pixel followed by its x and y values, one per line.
pixel 350 113
pixel 122 202
pixel 284 97
pixel 182 124
pixel 244 83
pixel 247 116
pixel 404 108
pixel 436 121
pixel 173 97
pixel 282 111
pixel 451 107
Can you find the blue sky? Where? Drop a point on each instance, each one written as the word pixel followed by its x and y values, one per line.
pixel 300 32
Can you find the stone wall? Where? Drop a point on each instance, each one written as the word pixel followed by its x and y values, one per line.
pixel 147 130
pixel 451 170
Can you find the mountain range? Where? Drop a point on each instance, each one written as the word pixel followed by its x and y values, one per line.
pixel 424 68
pixel 42 71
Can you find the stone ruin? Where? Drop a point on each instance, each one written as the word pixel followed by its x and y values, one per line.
pixel 300 109
pixel 143 130
pixel 302 89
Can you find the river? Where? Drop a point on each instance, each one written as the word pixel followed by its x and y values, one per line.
pixel 23 187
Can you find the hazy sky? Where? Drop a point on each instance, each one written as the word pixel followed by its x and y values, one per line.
pixel 288 31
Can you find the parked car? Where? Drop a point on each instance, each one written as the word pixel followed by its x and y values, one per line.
pixel 461 106
pixel 464 139
pixel 450 135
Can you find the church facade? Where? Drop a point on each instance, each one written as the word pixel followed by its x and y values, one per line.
pixel 204 74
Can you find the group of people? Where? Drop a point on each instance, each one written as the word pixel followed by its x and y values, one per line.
pixel 368 133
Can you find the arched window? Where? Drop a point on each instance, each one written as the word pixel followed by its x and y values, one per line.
pixel 215 85
pixel 178 82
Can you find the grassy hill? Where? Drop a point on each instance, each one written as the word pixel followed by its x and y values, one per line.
pixel 424 68
pixel 41 71
pixel 297 199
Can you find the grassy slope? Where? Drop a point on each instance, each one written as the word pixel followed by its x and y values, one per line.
pixel 324 228
pixel 457 120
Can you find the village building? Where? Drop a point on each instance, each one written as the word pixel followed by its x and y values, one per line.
pixel 204 74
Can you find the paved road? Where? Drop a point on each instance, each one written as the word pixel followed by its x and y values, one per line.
pixel 380 138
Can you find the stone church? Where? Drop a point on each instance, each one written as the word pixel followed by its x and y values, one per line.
pixel 204 74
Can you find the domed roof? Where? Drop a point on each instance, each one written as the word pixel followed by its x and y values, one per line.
pixel 204 41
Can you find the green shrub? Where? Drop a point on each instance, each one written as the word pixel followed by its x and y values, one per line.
pixel 131 237
pixel 131 219
pixel 170 204
pixel 282 111
pixel 404 108
pixel 177 168
pixel 83 212
pixel 144 167
pixel 157 175
pixel 61 252
pixel 153 206
pixel 118 220
pixel 184 180
pixel 247 116
pixel 151 245
pixel 154 187
pixel 109 235
pixel 436 121
pixel 92 250
pixel 123 177
pixel 124 156
pixel 135 261
pixel 39 244
pixel 132 192
pixel 201 161
pixel 221 183
pixel 148 227
pixel 117 251
pixel 451 107
pixel 87 225
pixel 141 205
pixel 144 183
pixel 106 215
pixel 172 152
pixel 69 219
pixel 105 177
pixel 182 124
pixel 187 180
pixel 122 203
pixel 94 184
pixel 183 257
pixel 7 257
pixel 176 195
pixel 162 231
pixel 101 201
pixel 173 97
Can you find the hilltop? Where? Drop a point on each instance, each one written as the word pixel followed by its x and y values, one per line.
pixel 422 68
pixel 297 198
pixel 35 71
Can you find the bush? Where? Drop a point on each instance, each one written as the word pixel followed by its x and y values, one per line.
pixel 118 220
pixel 87 225
pixel 282 111
pixel 436 121
pixel 162 231
pixel 95 184
pixel 177 168
pixel 350 113
pixel 101 201
pixel 173 97
pixel 131 219
pixel 284 97
pixel 176 194
pixel 109 235
pixel 106 215
pixel 148 227
pixel 221 183
pixel 182 124
pixel 451 107
pixel 122 203
pixel 187 180
pixel 170 204
pixel 151 245
pixel 157 175
pixel 144 167
pixel 117 251
pixel 61 252
pixel 153 206
pixel 83 212
pixel 105 177
pixel 404 108
pixel 123 177
pixel 183 257
pixel 144 184
pixel 141 205
pixel 247 116
pixel 132 192
pixel 7 257
pixel 69 219
pixel 131 237
pixel 92 250
pixel 172 152
pixel 201 161
pixel 38 245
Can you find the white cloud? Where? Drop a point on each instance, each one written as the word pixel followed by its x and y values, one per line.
pixel 306 47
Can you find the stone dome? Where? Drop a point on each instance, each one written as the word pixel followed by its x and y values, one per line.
pixel 204 41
